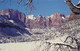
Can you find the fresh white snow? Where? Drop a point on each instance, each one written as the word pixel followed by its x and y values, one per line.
pixel 23 46
pixel 32 17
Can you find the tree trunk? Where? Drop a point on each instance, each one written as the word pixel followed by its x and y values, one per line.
pixel 75 9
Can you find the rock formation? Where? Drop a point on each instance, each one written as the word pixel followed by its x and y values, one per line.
pixel 55 20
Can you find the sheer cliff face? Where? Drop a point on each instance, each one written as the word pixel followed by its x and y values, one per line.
pixel 31 21
pixel 18 17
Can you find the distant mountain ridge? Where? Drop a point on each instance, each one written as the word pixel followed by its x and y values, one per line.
pixel 30 21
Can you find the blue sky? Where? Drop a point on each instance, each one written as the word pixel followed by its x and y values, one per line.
pixel 43 7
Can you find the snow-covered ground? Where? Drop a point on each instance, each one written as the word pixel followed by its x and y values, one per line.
pixel 23 46
pixel 27 46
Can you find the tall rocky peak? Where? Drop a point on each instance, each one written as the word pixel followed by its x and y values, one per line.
pixel 57 19
pixel 48 21
pixel 39 17
pixel 57 15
